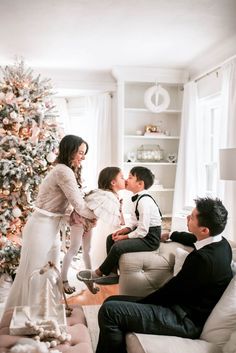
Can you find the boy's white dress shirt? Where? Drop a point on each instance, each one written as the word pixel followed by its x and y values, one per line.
pixel 149 216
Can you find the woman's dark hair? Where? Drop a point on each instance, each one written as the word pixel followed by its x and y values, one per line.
pixel 106 176
pixel 143 174
pixel 211 214
pixel 68 147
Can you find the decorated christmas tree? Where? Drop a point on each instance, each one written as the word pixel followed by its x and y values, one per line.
pixel 29 138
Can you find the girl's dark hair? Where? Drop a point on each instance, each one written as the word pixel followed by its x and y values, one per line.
pixel 211 214
pixel 106 176
pixel 143 174
pixel 68 146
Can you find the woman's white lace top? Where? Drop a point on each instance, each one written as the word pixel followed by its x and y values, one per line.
pixel 59 189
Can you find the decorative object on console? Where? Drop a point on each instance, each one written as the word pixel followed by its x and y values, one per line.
pixel 150 153
pixel 172 157
pixel 156 91
pixel 47 320
pixel 28 345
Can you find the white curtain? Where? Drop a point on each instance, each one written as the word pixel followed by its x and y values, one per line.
pixel 63 115
pixel 227 191
pixel 190 178
pixel 98 112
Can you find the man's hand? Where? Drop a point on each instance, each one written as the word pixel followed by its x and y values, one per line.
pixel 165 237
pixel 120 237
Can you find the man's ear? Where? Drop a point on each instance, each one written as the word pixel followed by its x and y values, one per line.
pixel 205 231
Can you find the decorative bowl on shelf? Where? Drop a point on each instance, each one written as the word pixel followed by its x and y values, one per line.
pixel 150 153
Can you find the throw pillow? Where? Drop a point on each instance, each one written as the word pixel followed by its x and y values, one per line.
pixel 222 320
pixel 180 256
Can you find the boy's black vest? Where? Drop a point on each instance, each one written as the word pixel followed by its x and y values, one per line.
pixel 136 208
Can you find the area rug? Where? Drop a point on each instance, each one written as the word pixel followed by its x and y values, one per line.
pixel 91 315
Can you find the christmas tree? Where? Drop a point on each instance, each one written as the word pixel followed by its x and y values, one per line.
pixel 29 138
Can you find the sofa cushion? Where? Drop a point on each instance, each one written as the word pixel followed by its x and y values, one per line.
pixel 143 343
pixel 222 320
pixel 180 256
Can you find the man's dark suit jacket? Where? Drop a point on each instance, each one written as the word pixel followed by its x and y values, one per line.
pixel 200 283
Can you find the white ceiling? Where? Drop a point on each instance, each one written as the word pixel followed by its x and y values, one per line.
pixel 101 34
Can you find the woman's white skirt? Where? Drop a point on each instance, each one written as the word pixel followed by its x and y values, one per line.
pixel 41 243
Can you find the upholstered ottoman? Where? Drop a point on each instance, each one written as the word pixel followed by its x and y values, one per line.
pixel 80 342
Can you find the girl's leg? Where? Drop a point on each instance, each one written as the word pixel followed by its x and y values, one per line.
pixel 75 243
pixel 86 245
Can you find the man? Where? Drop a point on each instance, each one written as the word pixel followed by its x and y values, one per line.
pixel 181 306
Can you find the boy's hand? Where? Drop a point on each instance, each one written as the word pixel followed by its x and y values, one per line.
pixel 120 237
pixel 122 231
pixel 165 237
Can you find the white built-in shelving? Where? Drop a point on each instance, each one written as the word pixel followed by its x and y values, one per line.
pixel 134 116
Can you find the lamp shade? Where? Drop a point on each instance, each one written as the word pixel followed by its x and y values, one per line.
pixel 228 164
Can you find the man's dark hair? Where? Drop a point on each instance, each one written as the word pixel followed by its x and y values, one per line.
pixel 211 214
pixel 143 174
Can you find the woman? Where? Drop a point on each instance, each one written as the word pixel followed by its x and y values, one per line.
pixel 41 240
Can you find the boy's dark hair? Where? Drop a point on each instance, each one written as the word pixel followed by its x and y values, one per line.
pixel 211 214
pixel 143 174
pixel 106 176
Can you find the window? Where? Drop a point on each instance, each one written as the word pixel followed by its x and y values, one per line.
pixel 210 118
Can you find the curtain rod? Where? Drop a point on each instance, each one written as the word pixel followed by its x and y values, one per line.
pixel 216 68
pixel 208 73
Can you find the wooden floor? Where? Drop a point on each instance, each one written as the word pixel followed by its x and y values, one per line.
pixel 87 298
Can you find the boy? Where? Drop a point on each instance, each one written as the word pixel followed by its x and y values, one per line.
pixel 142 234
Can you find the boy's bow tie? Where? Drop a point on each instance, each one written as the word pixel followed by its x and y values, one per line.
pixel 134 198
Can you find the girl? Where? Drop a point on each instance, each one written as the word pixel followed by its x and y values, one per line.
pixel 105 204
pixel 41 241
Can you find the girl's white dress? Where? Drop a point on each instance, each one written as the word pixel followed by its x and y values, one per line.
pixel 105 204
pixel 107 208
pixel 41 240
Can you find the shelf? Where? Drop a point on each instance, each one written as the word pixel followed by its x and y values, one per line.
pixel 164 137
pixel 143 110
pixel 167 215
pixel 152 189
pixel 149 163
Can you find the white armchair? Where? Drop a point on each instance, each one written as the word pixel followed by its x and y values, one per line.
pixel 140 276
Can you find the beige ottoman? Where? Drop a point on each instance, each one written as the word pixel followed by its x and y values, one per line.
pixel 80 342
